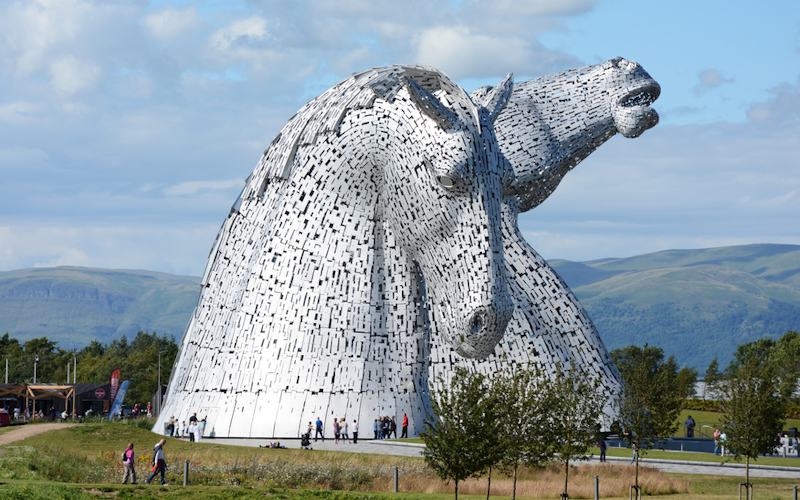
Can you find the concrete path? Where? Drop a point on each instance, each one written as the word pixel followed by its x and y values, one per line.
pixel 387 447
pixel 21 432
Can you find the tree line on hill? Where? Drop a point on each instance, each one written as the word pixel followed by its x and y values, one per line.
pixel 136 359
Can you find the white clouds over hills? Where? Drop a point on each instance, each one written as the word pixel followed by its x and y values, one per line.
pixel 124 126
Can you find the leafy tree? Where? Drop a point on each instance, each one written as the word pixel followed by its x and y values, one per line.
pixel 458 441
pixel 524 399
pixel 753 407
pixel 780 355
pixel 656 384
pixel 575 405
pixel 712 376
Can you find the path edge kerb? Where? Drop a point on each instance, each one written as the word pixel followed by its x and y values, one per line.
pixel 645 461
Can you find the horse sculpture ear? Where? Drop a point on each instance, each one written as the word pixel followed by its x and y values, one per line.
pixel 430 105
pixel 496 99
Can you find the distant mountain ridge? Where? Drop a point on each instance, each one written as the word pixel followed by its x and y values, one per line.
pixel 696 304
pixel 75 305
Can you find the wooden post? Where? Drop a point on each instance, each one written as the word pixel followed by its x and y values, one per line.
pixel 795 492
pixel 396 488
pixel 596 487
pixel 185 472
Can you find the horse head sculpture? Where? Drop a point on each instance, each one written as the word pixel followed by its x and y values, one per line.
pixel 375 246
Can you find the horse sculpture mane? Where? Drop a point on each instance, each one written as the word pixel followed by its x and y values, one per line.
pixel 375 247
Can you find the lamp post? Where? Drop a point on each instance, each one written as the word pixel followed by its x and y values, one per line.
pixel 158 392
pixel 74 385
pixel 35 362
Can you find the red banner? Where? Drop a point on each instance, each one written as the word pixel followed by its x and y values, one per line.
pixel 114 383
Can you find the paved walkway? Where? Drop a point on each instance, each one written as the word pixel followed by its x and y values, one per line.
pixel 386 447
pixel 21 432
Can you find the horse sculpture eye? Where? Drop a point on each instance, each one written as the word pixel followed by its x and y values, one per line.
pixel 446 181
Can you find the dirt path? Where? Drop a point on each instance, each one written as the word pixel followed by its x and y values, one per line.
pixel 25 431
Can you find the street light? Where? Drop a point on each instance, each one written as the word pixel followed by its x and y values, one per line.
pixel 35 361
pixel 158 392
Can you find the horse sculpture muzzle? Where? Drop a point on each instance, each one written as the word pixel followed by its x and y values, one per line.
pixel 631 104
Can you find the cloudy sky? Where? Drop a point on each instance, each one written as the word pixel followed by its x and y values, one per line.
pixel 127 127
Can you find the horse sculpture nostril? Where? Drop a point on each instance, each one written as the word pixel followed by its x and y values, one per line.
pixel 476 323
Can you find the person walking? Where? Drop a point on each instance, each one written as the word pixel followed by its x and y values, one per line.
pixel 355 431
pixel 689 425
pixel 318 433
pixel 159 462
pixel 603 447
pixel 376 428
pixel 129 465
pixel 345 430
pixel 716 441
pixel 404 434
pixel 336 431
pixel 393 427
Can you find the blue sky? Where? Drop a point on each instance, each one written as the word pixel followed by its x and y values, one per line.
pixel 128 127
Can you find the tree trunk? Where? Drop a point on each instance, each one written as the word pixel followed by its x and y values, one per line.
pixel 456 489
pixel 747 471
pixel 489 486
pixel 637 469
pixel 566 476
pixel 514 483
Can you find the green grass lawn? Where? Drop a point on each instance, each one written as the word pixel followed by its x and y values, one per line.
pixel 707 421
pixel 700 457
pixel 83 462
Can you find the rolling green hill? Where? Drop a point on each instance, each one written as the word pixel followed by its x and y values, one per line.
pixel 696 304
pixel 75 305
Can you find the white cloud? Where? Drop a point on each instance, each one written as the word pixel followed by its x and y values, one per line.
pixel 169 23
pixel 462 52
pixel 710 79
pixel 70 75
pixel 241 39
pixel 21 112
pixel 194 187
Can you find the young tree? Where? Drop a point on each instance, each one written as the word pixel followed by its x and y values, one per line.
pixel 753 409
pixel 658 384
pixel 712 376
pixel 524 398
pixel 575 406
pixel 460 440
pixel 637 422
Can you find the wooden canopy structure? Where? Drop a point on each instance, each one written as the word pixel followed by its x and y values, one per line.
pixel 42 391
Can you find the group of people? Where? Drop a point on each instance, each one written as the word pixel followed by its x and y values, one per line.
pixel 194 431
pixel 383 428
pixel 341 431
pixel 139 411
pixel 158 464
pixel 788 446
pixel 386 427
